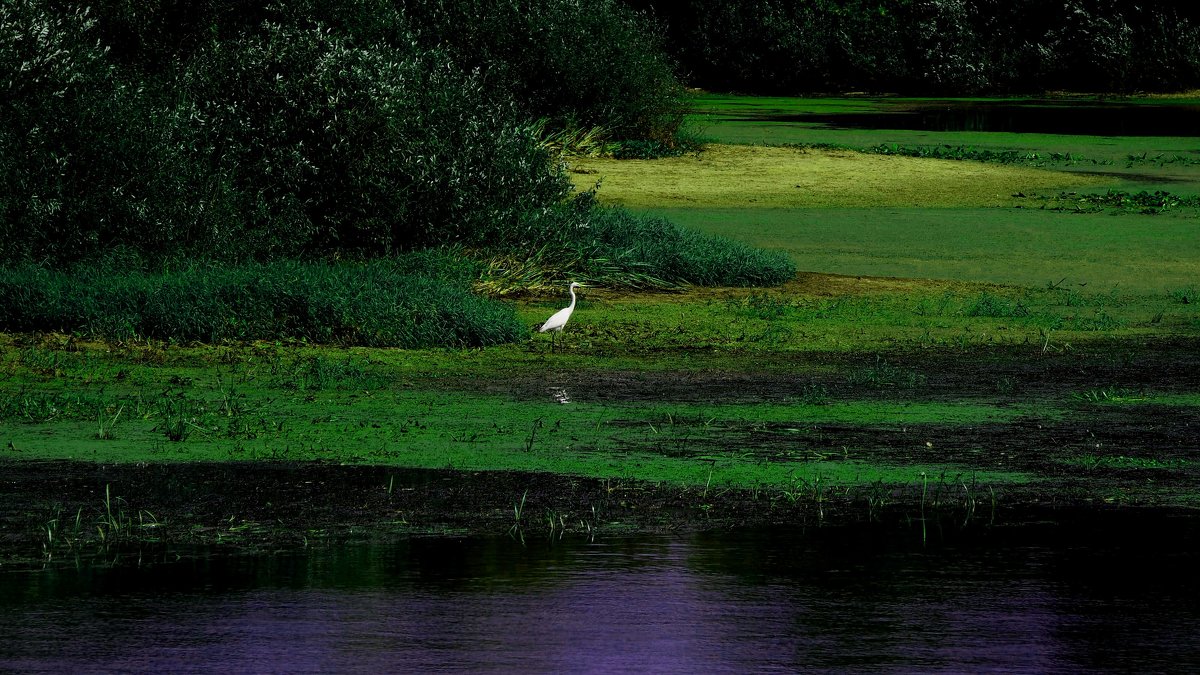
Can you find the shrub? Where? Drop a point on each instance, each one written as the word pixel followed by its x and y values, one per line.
pixel 331 147
pixel 279 141
pixel 68 174
pixel 342 131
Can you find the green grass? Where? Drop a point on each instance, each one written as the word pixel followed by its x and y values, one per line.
pixel 609 246
pixel 844 314
pixel 496 408
pixel 255 415
pixel 1026 238
pixel 1027 247
pixel 730 328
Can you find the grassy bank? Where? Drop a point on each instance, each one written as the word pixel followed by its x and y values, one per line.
pixel 950 340
pixel 834 399
pixel 418 301
pixel 736 388
pixel 424 299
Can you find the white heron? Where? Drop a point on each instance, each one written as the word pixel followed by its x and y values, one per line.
pixel 559 319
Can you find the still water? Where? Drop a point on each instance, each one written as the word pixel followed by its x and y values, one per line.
pixel 1112 593
pixel 1042 117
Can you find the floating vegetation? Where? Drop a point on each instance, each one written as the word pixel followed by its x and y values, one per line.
pixel 1115 201
pixel 1161 159
pixel 961 153
pixel 1094 462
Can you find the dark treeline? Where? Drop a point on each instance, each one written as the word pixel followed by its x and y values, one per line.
pixel 260 130
pixel 933 46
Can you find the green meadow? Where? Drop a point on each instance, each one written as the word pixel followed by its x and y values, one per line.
pixel 1049 235
pixel 1023 247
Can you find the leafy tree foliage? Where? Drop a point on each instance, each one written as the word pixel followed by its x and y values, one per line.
pixel 933 46
pixel 261 130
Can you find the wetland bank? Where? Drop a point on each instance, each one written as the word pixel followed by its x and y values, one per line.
pixel 731 417
pixel 788 318
pixel 859 382
pixel 1017 369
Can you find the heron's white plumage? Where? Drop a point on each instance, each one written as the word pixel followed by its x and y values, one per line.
pixel 559 319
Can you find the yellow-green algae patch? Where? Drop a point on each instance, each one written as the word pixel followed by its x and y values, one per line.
pixel 760 177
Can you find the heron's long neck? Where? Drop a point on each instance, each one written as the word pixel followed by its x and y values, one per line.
pixel 572 305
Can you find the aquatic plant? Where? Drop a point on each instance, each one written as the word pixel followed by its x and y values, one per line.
pixel 113 522
pixel 517 530
pixel 317 373
pixel 883 375
pixel 924 491
pixel 57 536
pixel 104 430
pixel 1113 394
pixel 1118 202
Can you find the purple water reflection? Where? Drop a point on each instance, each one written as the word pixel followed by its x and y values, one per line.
pixel 1021 599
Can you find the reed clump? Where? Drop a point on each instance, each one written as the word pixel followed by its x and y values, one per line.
pixel 381 303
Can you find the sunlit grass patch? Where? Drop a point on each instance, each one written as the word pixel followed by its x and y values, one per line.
pixel 766 177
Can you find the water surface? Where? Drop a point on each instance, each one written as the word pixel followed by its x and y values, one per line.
pixel 1043 117
pixel 1114 593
